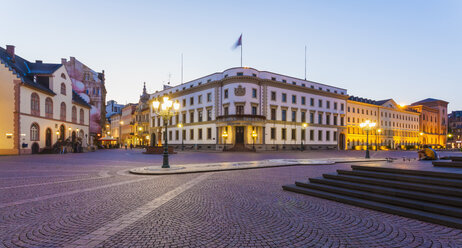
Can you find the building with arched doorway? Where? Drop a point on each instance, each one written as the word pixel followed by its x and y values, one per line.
pixel 38 105
pixel 243 108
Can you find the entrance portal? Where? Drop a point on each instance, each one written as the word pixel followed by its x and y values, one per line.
pixel 48 138
pixel 239 135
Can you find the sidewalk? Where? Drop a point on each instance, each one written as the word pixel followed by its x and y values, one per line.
pixel 243 165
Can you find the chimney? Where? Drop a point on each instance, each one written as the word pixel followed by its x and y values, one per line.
pixel 63 61
pixel 10 51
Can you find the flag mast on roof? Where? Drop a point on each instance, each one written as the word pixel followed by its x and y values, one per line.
pixel 238 44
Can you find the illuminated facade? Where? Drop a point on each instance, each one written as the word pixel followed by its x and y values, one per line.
pixel 397 127
pixel 433 121
pixel 455 129
pixel 38 106
pixel 243 108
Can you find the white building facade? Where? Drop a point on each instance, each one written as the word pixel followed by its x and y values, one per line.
pixel 243 108
pixel 39 106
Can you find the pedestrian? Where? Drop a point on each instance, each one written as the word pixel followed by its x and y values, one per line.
pixel 125 146
pixel 131 146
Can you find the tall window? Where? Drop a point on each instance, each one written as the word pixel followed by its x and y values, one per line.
pixel 273 133
pixel 48 108
pixel 74 114
pixel 284 115
pixel 209 114
pixel 209 133
pixel 294 116
pixel 226 93
pixel 273 95
pixel 273 114
pixel 34 132
pixel 199 115
pixel 63 89
pixel 303 116
pixel 254 93
pixel 284 134
pixel 254 110
pixel 239 110
pixel 209 97
pixel 284 97
pixel 34 104
pixel 82 116
pixel 63 111
pixel 191 117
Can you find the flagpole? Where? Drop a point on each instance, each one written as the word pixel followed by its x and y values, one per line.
pixel 241 50
pixel 305 62
pixel 181 68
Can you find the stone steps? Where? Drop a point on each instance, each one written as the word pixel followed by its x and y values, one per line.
pixel 456 162
pixel 425 195
pixel 383 207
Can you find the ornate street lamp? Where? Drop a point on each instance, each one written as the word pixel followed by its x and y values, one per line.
pixel 254 137
pixel 377 138
pixel 70 129
pixel 180 126
pixel 225 136
pixel 166 110
pixel 367 125
pixel 421 139
pixel 304 125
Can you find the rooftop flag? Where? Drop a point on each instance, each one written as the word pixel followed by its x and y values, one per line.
pixel 238 42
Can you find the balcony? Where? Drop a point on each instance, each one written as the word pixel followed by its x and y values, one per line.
pixel 241 118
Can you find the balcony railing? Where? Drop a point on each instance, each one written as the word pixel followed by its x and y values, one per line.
pixel 251 118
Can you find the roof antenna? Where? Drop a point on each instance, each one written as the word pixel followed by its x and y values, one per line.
pixel 169 76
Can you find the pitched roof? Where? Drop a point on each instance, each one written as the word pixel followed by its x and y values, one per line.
pixel 26 70
pixel 427 100
pixel 79 100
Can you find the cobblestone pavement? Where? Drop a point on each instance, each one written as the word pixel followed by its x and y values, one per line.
pixel 89 200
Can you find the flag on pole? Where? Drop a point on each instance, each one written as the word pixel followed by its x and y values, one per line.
pixel 238 42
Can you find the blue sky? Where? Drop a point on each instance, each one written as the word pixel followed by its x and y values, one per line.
pixel 406 50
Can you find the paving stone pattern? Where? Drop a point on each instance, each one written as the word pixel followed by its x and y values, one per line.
pixel 56 201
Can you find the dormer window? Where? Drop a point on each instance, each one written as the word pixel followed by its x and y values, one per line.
pixel 240 74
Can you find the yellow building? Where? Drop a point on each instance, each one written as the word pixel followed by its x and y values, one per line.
pixel 38 106
pixel 397 127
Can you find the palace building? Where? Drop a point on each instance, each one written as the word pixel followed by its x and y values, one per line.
pixel 243 108
pixel 396 126
pixel 433 121
pixel 38 106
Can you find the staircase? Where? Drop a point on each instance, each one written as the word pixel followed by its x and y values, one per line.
pixel 456 162
pixel 424 195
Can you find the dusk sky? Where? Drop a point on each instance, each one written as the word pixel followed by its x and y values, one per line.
pixel 406 50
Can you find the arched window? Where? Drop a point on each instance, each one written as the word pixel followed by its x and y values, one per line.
pixel 74 114
pixel 63 111
pixel 34 132
pixel 63 89
pixel 82 116
pixel 48 108
pixel 34 104
pixel 63 76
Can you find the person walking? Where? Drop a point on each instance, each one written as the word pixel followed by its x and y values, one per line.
pixel 125 146
pixel 131 146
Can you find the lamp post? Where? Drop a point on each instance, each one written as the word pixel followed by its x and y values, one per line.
pixel 70 129
pixel 367 125
pixel 180 126
pixel 120 133
pixel 57 136
pixel 225 136
pixel 166 110
pixel 377 139
pixel 421 139
pixel 304 125
pixel 449 138
pixel 254 137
